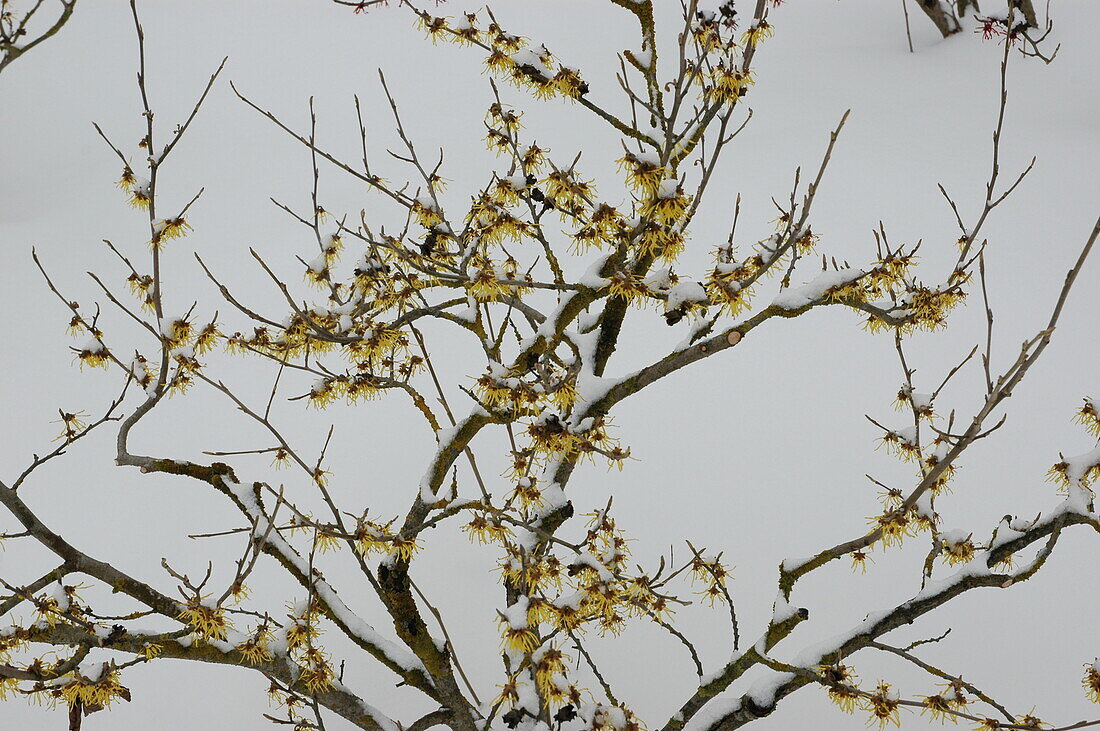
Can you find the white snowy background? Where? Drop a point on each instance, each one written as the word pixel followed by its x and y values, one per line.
pixel 759 452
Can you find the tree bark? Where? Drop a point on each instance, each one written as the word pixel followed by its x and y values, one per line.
pixel 1027 8
pixel 941 15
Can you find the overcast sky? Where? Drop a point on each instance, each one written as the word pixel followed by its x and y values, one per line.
pixel 760 452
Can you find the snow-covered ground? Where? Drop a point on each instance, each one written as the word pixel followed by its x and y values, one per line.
pixel 760 452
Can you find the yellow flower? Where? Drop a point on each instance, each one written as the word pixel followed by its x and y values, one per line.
pixel 569 615
pixel 567 191
pixel 859 561
pixel 71 424
pixel 300 633
pixel 323 393
pixel 565 394
pixel 127 180
pixel 643 172
pixel 316 674
pixel 661 241
pixel 841 681
pixel 498 60
pixel 140 193
pixel 94 354
pixel 958 550
pixel 569 83
pixel 483 283
pixel 486 531
pixel 900 443
pixel 281 459
pixel 99 689
pixel 549 662
pixel 533 158
pixel 168 229
pixel 206 338
pixel 706 35
pixel 177 332
pixel 1089 417
pixel 504 117
pixel 724 290
pixel 324 542
pixel 426 212
pixel 403 548
pixel 938 707
pixel 757 32
pixel 550 436
pixel 894 526
pixel 668 204
pixel 465 30
pixel 434 27
pixel 1029 720
pixel 255 650
pixel 497 141
pixel 519 639
pixel 627 286
pixel 1091 681
pixel 208 622
pixel 76 325
pixel 728 84
pixel 883 706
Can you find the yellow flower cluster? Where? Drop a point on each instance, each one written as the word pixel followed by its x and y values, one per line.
pixel 713 574
pixel 644 173
pixel 141 287
pixel 508 54
pixel 177 333
pixel 932 460
pixel 921 404
pixel 487 529
pixel 72 423
pixel 209 623
pixel 757 32
pixel 942 706
pixel 315 670
pixel 630 287
pixel 605 225
pixel 372 345
pixel 710 35
pixel 94 354
pixel 94 693
pixel 139 191
pixel 352 388
pixel 958 551
pixel 255 650
pixel 372 537
pixel 569 194
pixel 1060 475
pixel 883 706
pixel 1091 681
pixel 901 444
pixel 895 525
pixel 842 686
pixel 1089 417
pixel 550 437
pixel 168 229
pixel 725 290
pixel 667 204
pixel 661 241
pixel 728 83
pixel 302 631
